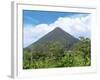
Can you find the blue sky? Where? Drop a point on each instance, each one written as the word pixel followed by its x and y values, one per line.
pixel 38 23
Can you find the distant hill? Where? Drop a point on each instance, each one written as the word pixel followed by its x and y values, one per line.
pixel 55 38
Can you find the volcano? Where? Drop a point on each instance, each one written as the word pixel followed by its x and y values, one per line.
pixel 56 38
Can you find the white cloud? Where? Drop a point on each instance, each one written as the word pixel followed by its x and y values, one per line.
pixel 75 26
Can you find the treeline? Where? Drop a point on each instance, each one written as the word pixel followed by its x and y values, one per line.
pixel 58 55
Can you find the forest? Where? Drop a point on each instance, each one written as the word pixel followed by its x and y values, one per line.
pixel 57 55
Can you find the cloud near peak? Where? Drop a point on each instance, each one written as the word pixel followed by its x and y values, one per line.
pixel 79 26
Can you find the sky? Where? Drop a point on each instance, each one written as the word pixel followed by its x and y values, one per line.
pixel 36 24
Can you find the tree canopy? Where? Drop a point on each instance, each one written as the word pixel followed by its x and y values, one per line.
pixel 58 55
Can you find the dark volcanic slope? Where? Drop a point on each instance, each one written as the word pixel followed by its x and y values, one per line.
pixel 57 35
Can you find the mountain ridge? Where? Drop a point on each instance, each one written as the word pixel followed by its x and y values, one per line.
pixel 57 35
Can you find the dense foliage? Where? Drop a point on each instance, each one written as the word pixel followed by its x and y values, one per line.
pixel 58 55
